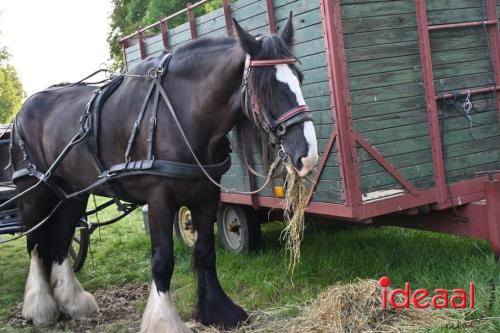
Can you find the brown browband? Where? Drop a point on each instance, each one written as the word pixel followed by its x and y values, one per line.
pixel 272 62
pixel 292 113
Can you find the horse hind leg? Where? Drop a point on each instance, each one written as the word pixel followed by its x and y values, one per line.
pixel 160 315
pixel 72 300
pixel 39 305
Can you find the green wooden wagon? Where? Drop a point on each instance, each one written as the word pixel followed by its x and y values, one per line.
pixel 405 97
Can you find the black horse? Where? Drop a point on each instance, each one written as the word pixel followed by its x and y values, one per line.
pixel 203 81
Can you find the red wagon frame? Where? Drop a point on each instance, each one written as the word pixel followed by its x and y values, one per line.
pixel 476 198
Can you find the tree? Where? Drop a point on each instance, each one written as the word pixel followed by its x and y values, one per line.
pixel 129 15
pixel 11 88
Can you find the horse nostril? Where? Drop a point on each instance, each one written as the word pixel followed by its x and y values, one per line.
pixel 298 162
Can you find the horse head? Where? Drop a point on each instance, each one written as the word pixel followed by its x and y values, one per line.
pixel 272 95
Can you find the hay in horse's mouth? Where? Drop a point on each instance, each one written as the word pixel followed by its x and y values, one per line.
pixel 295 203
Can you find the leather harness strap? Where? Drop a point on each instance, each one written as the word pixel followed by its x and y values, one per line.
pixel 89 132
pixel 272 62
pixel 168 169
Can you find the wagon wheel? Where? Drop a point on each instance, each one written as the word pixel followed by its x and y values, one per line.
pixel 183 226
pixel 79 246
pixel 238 229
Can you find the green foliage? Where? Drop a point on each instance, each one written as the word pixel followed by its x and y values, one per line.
pixel 130 15
pixel 11 89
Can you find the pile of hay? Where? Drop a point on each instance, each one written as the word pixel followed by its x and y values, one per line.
pixel 346 308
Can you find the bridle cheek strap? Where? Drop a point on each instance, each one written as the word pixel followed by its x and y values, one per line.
pixel 275 127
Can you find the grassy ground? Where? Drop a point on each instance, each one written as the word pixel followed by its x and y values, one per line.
pixel 120 255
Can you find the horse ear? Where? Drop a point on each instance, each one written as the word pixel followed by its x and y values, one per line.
pixel 248 42
pixel 287 34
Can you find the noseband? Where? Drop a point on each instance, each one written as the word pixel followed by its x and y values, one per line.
pixel 276 128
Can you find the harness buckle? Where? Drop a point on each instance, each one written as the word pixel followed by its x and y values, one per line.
pixel 155 73
pixel 281 130
pixel 31 168
pixel 265 127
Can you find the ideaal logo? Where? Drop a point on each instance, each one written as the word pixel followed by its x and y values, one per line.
pixel 422 298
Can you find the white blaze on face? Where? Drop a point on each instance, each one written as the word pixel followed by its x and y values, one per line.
pixel 285 74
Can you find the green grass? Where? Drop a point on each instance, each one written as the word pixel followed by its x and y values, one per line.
pixel 120 255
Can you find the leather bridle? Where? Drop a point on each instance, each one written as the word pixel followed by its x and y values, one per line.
pixel 276 128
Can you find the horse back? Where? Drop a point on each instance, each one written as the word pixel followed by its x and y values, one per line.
pixel 47 122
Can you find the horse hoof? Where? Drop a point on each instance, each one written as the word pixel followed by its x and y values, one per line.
pixel 81 305
pixel 160 315
pixel 39 305
pixel 40 308
pixel 221 312
pixel 71 298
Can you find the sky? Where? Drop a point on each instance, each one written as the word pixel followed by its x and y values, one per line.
pixel 54 41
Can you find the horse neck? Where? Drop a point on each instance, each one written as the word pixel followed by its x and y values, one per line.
pixel 206 96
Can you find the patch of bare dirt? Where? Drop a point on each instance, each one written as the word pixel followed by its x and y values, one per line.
pixel 118 312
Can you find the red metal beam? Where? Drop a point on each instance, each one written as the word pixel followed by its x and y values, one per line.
pixel 385 164
pixel 164 33
pixel 153 25
pixel 228 17
pixel 446 221
pixel 325 209
pixel 479 219
pixel 142 48
pixel 192 22
pixel 341 98
pixel 271 16
pixel 321 165
pixel 492 190
pixel 253 186
pixel 462 25
pixel 494 37
pixel 394 204
pixel 465 192
pixel 474 91
pixel 124 46
pixel 430 96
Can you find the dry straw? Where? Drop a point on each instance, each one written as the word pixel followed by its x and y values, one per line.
pixel 347 308
pixel 295 205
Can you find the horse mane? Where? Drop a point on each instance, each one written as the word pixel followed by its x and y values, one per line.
pixel 204 44
pixel 250 139
pixel 65 84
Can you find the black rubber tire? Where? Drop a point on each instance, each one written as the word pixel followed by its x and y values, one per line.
pixel 177 228
pixel 79 255
pixel 246 233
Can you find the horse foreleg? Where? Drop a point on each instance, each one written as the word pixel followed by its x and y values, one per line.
pixel 39 305
pixel 71 298
pixel 160 315
pixel 214 307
